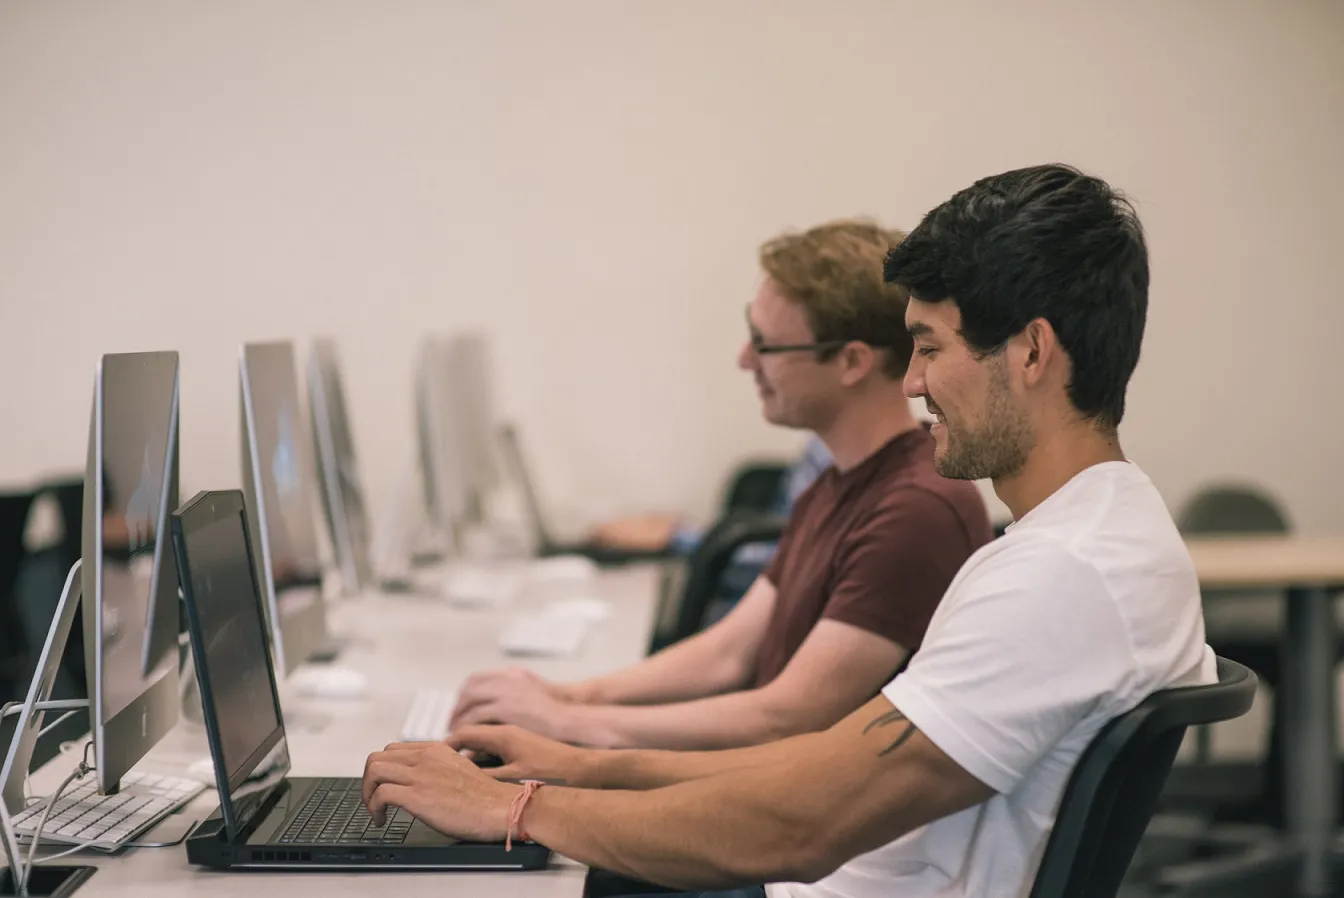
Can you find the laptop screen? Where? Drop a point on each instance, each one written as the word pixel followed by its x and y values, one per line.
pixel 228 640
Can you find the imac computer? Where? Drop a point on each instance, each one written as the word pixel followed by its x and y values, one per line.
pixel 127 584
pixel 277 482
pixel 471 390
pixel 441 458
pixel 129 578
pixel 544 537
pixel 337 464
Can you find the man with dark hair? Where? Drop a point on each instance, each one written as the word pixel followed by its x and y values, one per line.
pixel 1028 298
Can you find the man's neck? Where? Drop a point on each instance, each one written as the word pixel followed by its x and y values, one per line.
pixel 1054 462
pixel 865 427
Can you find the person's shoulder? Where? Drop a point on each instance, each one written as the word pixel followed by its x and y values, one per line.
pixel 1032 560
pixel 1023 593
pixel 816 497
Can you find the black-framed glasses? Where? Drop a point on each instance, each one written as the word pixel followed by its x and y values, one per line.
pixel 760 347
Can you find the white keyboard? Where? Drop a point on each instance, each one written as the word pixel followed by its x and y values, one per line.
pixel 553 635
pixel 427 719
pixel 83 816
pixel 472 587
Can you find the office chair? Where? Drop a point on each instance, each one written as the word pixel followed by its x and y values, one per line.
pixel 706 568
pixel 38 582
pixel 14 649
pixel 1113 791
pixel 754 486
pixel 1109 798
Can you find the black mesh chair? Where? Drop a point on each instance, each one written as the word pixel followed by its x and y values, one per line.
pixel 36 590
pixel 1115 788
pixel 14 649
pixel 755 486
pixel 705 570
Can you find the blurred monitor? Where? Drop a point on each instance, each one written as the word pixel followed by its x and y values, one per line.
pixel 278 481
pixel 441 461
pixel 472 410
pixel 337 464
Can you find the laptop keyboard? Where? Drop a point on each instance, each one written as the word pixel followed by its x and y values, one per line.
pixel 335 815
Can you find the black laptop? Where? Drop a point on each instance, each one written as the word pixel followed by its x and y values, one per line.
pixel 547 545
pixel 277 821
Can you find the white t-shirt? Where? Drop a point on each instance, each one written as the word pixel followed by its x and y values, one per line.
pixel 1083 608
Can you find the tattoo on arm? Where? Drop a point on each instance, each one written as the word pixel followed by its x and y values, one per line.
pixel 889 718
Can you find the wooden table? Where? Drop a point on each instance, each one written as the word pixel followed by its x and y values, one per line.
pixel 1311 571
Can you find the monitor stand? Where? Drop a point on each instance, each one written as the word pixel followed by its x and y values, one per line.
pixel 51 881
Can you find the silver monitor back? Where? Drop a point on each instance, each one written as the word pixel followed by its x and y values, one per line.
pixel 338 468
pixel 472 391
pixel 278 481
pixel 516 462
pixel 129 576
pixel 441 461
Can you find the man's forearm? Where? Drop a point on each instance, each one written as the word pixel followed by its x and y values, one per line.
pixel 639 769
pixel 719 722
pixel 794 816
pixel 689 670
pixel 694 835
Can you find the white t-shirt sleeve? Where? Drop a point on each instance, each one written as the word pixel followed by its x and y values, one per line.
pixel 1027 645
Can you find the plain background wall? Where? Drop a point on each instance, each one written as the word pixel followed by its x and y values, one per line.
pixel 588 181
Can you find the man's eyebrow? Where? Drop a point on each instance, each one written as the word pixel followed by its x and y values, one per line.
pixel 919 329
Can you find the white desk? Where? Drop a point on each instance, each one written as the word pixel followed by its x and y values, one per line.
pixel 401 644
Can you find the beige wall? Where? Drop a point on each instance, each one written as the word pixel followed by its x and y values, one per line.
pixel 588 181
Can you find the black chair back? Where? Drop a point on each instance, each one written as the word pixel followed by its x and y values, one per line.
pixel 755 486
pixel 14 508
pixel 1114 789
pixel 706 568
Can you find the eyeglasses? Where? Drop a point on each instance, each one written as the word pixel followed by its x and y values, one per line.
pixel 761 348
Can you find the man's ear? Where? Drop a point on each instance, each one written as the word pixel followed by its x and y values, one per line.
pixel 857 360
pixel 1036 351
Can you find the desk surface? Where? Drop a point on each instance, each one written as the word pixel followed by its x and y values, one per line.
pixel 1268 562
pixel 401 644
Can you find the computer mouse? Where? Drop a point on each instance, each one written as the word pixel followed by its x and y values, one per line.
pixel 479 586
pixel 202 771
pixel 589 609
pixel 564 567
pixel 329 681
pixel 484 760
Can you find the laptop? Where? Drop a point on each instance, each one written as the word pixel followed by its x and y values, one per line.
pixel 547 545
pixel 266 818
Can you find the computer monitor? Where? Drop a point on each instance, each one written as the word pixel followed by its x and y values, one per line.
pixel 129 578
pixel 441 460
pixel 516 463
pixel 471 387
pixel 341 488
pixel 277 482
